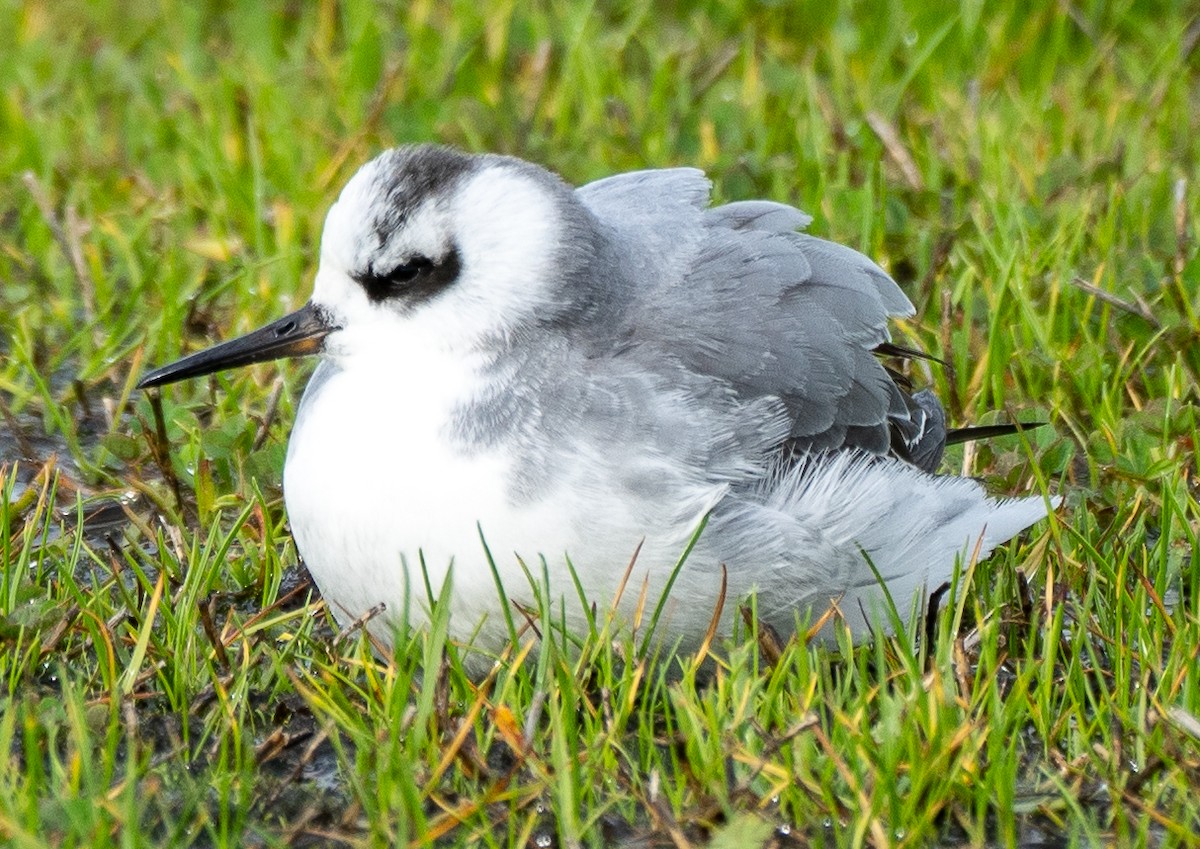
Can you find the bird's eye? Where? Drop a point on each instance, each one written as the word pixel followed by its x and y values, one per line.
pixel 410 282
pixel 407 271
pixel 394 282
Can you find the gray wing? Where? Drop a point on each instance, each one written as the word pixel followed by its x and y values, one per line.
pixel 736 292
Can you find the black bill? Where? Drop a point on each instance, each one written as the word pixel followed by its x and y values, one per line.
pixel 295 335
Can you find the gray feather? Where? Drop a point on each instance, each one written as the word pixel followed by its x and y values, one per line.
pixel 760 215
pixel 737 295
pixel 925 447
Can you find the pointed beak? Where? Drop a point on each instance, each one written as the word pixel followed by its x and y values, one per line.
pixel 296 335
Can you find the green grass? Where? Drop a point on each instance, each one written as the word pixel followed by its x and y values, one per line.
pixel 169 679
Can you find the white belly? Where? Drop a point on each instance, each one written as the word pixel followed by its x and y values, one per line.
pixel 375 486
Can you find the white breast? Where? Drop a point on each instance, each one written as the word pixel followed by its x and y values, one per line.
pixel 374 483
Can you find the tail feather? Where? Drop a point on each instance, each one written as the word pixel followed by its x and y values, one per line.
pixel 968 434
pixel 840 523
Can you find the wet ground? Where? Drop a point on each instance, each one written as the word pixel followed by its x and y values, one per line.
pixel 300 776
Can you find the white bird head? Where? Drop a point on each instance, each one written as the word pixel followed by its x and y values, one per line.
pixel 455 248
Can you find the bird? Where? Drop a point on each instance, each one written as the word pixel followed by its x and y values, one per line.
pixel 524 383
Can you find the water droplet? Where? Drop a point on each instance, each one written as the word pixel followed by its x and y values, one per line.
pixel 910 38
pixel 785 829
pixel 544 841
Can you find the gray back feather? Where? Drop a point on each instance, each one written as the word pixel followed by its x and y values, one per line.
pixel 736 293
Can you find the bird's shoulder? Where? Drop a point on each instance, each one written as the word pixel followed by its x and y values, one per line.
pixel 739 292
pixel 665 191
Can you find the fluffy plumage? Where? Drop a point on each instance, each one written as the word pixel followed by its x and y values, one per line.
pixel 577 371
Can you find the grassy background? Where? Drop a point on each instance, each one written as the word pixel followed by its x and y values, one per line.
pixel 167 677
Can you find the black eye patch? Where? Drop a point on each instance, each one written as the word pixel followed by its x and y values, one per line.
pixel 415 280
